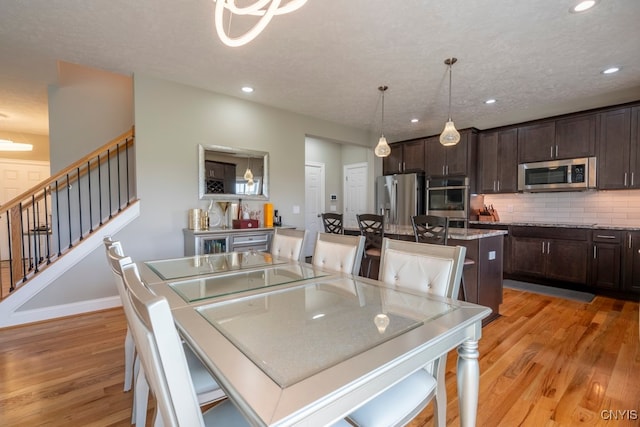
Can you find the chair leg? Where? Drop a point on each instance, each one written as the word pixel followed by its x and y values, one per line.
pixel 440 400
pixel 464 288
pixel 140 399
pixel 129 356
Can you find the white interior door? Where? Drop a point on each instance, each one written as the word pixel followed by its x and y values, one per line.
pixel 16 177
pixel 314 203
pixel 355 189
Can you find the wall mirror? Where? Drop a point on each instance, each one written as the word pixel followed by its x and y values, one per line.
pixel 226 173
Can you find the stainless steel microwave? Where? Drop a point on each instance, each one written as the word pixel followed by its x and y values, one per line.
pixel 558 175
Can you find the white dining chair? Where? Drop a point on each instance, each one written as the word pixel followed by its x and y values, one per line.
pixel 164 362
pixel 338 252
pixel 288 243
pixel 426 268
pixel 129 347
pixel 207 389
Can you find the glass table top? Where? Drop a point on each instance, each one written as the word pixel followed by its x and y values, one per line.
pixel 198 265
pixel 198 289
pixel 297 332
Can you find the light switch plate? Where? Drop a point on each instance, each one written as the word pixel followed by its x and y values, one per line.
pixel 296 209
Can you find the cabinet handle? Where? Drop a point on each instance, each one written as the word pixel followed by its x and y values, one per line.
pixel 625 179
pixel 447 169
pixel 542 247
pixel 551 151
pixel 494 186
pixel 595 256
pixel 498 185
pixel 399 167
pixel 600 236
pixel 548 247
pixel 629 241
pixel 443 173
pixel 404 166
pixel 632 179
pixel 556 151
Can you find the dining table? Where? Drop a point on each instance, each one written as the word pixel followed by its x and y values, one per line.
pixel 294 344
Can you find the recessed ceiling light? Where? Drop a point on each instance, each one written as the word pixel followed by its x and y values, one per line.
pixel 583 5
pixel 490 101
pixel 247 89
pixel 414 120
pixel 611 70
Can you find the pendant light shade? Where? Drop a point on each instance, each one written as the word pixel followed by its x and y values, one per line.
pixel 248 175
pixel 449 136
pixel 382 149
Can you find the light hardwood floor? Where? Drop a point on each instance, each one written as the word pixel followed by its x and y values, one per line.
pixel 545 362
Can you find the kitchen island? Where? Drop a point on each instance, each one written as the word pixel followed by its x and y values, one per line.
pixel 483 278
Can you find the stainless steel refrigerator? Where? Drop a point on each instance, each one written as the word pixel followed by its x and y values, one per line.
pixel 399 197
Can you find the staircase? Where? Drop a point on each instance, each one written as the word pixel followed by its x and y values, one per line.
pixel 48 225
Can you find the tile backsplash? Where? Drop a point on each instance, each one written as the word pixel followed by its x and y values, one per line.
pixel 618 208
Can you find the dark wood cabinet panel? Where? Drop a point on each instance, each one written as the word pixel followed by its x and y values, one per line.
pixel 631 280
pixel 498 162
pixel 576 136
pixel 435 157
pixel 537 142
pixel 614 149
pixel 567 260
pixel 413 156
pixel 634 151
pixel 606 259
pixel 559 254
pixel 405 157
pixel 393 162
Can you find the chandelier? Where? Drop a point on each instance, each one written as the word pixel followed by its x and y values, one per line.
pixel 264 10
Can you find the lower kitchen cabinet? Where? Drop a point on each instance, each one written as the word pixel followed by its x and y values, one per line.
pixel 607 258
pixel 558 254
pixel 632 262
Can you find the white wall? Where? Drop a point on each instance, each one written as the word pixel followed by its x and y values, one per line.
pixel 170 121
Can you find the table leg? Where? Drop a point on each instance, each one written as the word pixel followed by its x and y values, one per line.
pixel 468 382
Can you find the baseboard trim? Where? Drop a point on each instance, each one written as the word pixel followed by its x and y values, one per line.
pixel 65 310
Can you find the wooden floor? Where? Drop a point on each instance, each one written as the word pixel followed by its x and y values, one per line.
pixel 545 362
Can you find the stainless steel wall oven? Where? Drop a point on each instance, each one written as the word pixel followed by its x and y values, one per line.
pixel 449 197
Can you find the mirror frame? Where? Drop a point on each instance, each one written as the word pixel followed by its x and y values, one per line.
pixel 234 152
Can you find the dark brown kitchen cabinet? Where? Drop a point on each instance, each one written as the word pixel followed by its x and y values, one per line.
pixel 606 259
pixel 617 153
pixel 576 136
pixel 537 142
pixel 498 161
pixel 393 162
pixel 405 157
pixel 455 160
pixel 631 272
pixel 559 254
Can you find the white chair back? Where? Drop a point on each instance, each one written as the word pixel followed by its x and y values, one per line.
pixel 423 267
pixel 161 353
pixel 288 243
pixel 338 252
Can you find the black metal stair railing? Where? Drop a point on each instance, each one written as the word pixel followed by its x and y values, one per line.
pixel 46 222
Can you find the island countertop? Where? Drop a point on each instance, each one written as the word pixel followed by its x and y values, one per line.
pixel 591 226
pixel 454 233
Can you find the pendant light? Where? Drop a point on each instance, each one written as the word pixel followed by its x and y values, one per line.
pixel 382 149
pixel 449 135
pixel 248 175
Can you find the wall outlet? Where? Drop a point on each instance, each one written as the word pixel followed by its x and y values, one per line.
pixel 492 255
pixel 296 209
pixel 333 208
pixel 509 208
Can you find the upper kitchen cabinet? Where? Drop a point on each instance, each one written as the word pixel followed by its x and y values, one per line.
pixel 576 136
pixel 537 142
pixel 455 160
pixel 498 161
pixel 565 138
pixel 405 157
pixel 618 152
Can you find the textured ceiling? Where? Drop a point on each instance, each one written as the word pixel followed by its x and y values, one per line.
pixel 327 59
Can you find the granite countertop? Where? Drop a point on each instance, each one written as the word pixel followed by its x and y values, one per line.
pixel 558 225
pixel 454 233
